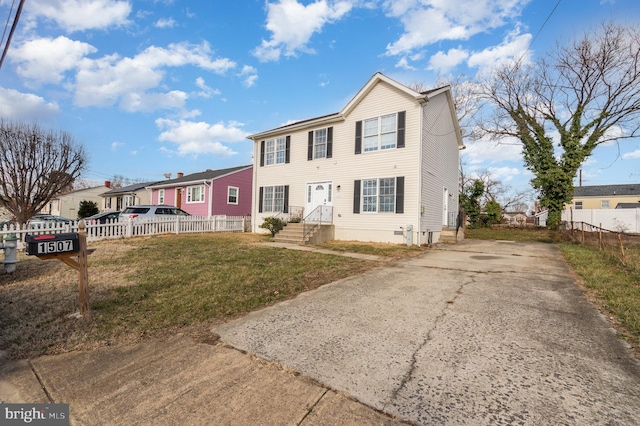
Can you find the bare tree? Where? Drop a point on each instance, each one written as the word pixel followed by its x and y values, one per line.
pixel 35 166
pixel 587 92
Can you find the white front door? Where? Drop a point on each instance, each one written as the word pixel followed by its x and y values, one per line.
pixel 318 194
pixel 445 207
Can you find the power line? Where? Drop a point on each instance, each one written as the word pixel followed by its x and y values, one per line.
pixel 6 25
pixel 13 28
pixel 540 30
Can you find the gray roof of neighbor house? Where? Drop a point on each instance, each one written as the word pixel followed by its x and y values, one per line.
pixel 628 206
pixel 198 177
pixel 607 190
pixel 127 189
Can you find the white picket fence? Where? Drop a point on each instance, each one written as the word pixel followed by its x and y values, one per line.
pixel 126 228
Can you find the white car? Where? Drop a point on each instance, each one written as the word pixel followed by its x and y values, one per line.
pixel 140 212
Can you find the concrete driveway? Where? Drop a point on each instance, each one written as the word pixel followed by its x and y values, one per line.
pixel 481 332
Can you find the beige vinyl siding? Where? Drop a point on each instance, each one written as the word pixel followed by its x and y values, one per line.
pixel 593 202
pixel 345 167
pixel 440 162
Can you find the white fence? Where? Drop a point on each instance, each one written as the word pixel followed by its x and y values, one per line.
pixel 621 220
pixel 134 228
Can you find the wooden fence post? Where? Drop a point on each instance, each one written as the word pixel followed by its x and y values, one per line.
pixel 600 237
pixel 621 246
pixel 83 271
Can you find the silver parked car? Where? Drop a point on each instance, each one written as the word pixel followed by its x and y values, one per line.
pixel 140 212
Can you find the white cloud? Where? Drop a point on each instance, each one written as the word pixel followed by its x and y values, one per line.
pixel 404 64
pixel 514 47
pixel 292 25
pixel 15 105
pixel 631 155
pixel 429 21
pixel 45 60
pixel 482 151
pixel 250 75
pixel 80 15
pixel 504 174
pixel 442 62
pixel 165 23
pixel 115 145
pixel 193 138
pixel 206 91
pixel 105 81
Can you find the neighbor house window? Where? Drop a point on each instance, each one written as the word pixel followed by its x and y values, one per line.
pixel 195 194
pixel 578 205
pixel 129 200
pixel 107 203
pixel 161 196
pixel 604 204
pixel 232 195
pixel 273 198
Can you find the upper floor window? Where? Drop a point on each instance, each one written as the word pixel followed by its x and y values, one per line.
pixel 232 195
pixel 381 133
pixel 604 204
pixel 320 143
pixel 578 205
pixel 161 196
pixel 275 151
pixel 195 194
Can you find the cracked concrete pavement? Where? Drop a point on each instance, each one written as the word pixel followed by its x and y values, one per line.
pixel 482 332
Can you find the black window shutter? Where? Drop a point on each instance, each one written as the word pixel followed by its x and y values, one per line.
pixel 329 142
pixel 286 199
pixel 260 199
pixel 400 194
pixel 310 147
pixel 358 137
pixel 401 127
pixel 287 154
pixel 356 196
pixel 262 154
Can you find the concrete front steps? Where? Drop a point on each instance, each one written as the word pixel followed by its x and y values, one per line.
pixel 448 235
pixel 293 234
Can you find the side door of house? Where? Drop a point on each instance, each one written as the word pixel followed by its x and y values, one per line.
pixel 318 194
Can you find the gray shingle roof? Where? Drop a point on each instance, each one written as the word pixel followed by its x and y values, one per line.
pixel 628 206
pixel 607 190
pixel 128 189
pixel 200 176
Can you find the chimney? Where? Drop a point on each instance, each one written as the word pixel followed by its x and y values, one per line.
pixel 180 174
pixel 107 183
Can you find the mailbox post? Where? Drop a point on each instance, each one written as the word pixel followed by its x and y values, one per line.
pixel 63 247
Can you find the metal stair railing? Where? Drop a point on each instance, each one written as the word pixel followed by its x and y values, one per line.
pixel 321 214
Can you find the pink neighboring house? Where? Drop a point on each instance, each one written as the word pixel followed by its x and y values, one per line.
pixel 209 193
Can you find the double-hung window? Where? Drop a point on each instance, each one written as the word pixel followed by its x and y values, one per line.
pixel 380 133
pixel 232 195
pixel 128 200
pixel 320 143
pixel 378 195
pixel 604 204
pixel 161 196
pixel 578 205
pixel 195 194
pixel 275 151
pixel 273 198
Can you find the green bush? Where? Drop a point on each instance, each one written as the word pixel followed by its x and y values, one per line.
pixel 273 224
pixel 87 208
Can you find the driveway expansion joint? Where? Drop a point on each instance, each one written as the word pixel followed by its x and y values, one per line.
pixel 44 388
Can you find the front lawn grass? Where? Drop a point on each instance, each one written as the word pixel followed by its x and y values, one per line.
pixel 150 286
pixel 394 251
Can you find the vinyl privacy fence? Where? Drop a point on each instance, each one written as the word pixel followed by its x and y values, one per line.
pixel 126 228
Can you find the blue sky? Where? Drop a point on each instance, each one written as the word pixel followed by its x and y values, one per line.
pixel 160 86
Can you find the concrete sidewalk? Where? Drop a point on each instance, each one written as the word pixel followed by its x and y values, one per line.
pixel 179 381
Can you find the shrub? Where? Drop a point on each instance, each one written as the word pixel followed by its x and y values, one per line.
pixel 87 208
pixel 273 224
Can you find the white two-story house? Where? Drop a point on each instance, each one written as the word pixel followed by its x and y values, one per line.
pixel 383 169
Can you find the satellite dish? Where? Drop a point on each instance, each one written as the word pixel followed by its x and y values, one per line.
pixel 167 175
